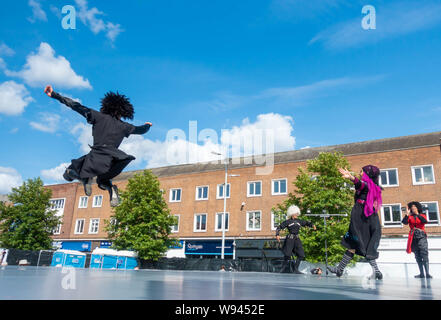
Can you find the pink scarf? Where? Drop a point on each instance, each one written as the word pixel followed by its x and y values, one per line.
pixel 373 199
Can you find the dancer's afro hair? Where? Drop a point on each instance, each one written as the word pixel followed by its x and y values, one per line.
pixel 117 105
pixel 417 205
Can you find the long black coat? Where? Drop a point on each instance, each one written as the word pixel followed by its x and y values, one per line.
pixel 108 133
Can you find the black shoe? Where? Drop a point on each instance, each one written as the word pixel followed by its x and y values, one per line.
pixel 378 275
pixel 71 175
pixel 115 200
pixel 420 275
pixel 87 183
pixel 335 271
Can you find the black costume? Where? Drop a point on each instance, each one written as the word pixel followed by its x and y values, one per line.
pixel 417 239
pixel 293 244
pixel 364 233
pixel 105 161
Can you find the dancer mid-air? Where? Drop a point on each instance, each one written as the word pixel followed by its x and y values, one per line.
pixel 292 243
pixel 363 236
pixel 105 161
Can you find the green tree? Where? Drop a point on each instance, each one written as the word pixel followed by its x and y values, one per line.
pixel 321 187
pixel 29 223
pixel 142 222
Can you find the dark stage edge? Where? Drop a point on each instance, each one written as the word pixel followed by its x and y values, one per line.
pixel 50 283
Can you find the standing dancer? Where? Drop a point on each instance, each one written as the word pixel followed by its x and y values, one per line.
pixel 292 243
pixel 417 240
pixel 363 236
pixel 105 161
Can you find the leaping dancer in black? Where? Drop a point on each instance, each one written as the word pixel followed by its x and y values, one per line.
pixel 105 161
pixel 292 243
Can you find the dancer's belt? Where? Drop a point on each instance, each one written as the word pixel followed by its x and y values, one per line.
pixel 292 236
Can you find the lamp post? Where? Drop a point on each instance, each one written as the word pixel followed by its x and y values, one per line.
pixel 225 202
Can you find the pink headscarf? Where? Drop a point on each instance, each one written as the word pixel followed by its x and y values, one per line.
pixel 373 199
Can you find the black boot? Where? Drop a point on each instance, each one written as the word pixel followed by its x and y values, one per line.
pixel 71 175
pixel 87 183
pixel 347 257
pixel 426 267
pixel 420 266
pixel 296 266
pixel 376 272
pixel 115 200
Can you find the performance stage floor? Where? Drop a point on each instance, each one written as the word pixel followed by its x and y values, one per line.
pixel 49 283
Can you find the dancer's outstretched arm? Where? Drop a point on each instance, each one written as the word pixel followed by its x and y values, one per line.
pixel 74 105
pixel 142 129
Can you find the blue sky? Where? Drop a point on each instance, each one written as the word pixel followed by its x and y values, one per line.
pixel 307 68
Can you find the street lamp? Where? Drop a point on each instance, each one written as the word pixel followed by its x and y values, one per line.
pixel 225 202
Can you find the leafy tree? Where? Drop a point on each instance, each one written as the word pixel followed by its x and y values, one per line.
pixel 321 187
pixel 29 223
pixel 142 222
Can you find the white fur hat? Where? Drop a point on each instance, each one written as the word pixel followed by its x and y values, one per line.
pixel 292 210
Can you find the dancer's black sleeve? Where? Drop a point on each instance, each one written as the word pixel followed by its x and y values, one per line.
pixel 281 226
pixel 405 220
pixel 304 223
pixel 74 105
pixel 131 129
pixel 359 184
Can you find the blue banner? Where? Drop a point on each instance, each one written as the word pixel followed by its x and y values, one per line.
pixel 77 245
pixel 207 247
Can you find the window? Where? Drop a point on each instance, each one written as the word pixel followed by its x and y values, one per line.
pixel 93 226
pixel 97 201
pixel 79 226
pixel 175 195
pixel 220 190
pixel 277 219
pixel 57 204
pixel 202 193
pixel 253 220
pixel 279 187
pixel 200 222
pixel 433 215
pixel 391 215
pixel 218 223
pixel 254 189
pixel 57 229
pixel 423 175
pixel 389 178
pixel 175 227
pixel 83 202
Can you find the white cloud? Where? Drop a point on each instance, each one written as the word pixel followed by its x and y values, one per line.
pixel 5 50
pixel 37 12
pixel 48 122
pixel 391 21
pixel 43 68
pixel 90 18
pixel 83 133
pixel 55 174
pixel 9 178
pixel 14 97
pixel 244 140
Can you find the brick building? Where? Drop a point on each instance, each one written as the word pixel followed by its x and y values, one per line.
pixel 410 167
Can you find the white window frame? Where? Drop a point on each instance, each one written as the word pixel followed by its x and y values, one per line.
pixel 273 227
pixel 227 188
pixel 57 229
pixel 382 215
pixel 76 226
pixel 93 201
pixel 59 211
pixel 279 193
pixel 195 222
pixel 412 169
pixel 87 202
pixel 248 217
pixel 91 224
pixel 390 185
pixel 171 195
pixel 179 220
pixel 437 210
pixel 216 221
pixel 202 199
pixel 248 189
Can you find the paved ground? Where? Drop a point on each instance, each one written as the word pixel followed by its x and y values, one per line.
pixel 48 283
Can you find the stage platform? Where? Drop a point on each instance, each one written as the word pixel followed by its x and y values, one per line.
pixel 50 283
